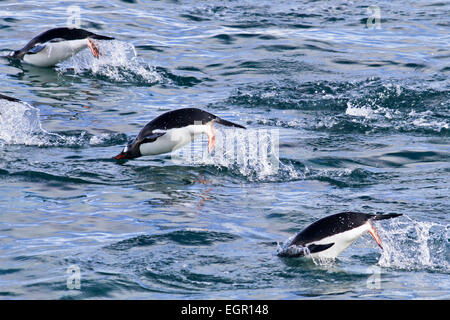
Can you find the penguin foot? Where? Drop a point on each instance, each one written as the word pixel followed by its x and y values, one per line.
pixel 94 48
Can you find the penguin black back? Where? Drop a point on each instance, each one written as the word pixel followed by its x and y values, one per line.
pixel 2 96
pixel 182 118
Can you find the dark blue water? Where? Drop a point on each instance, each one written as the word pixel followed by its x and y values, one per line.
pixel 356 96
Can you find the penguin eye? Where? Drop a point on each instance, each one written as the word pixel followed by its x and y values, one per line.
pixel 125 150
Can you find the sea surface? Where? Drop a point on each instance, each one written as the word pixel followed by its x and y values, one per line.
pixel 346 105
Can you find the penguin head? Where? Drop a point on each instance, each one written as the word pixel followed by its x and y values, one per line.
pixel 130 151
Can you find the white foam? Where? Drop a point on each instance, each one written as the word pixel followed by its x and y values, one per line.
pixel 98 140
pixel 431 124
pixel 401 119
pixel 424 120
pixel 359 111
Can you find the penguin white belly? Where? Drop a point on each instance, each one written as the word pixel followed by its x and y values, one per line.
pixel 173 139
pixel 341 242
pixel 55 52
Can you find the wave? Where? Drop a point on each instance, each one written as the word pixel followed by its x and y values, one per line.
pixel 187 237
pixel 364 107
pixel 401 120
pixel 43 177
pixel 344 178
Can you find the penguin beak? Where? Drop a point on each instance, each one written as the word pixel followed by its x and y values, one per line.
pixel 93 47
pixel 120 156
pixel 373 232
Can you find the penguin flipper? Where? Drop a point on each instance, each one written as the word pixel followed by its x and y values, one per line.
pixel 36 49
pixel 152 137
pixel 314 248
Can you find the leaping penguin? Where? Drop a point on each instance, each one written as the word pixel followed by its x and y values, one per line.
pixel 172 130
pixel 56 45
pixel 329 236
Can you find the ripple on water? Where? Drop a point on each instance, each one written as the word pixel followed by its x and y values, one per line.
pixel 179 237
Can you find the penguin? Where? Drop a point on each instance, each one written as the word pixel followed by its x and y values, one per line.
pixel 329 236
pixel 171 131
pixel 56 45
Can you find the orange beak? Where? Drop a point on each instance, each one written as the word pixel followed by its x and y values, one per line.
pixel 94 48
pixel 373 232
pixel 120 156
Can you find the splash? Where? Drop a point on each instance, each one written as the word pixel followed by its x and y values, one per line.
pixel 19 124
pixel 118 62
pixel 368 112
pixel 249 153
pixel 414 245
pixel 359 112
pixel 285 249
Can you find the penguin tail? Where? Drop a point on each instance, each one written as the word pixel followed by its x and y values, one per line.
pixel 228 123
pixel 100 37
pixel 385 216
pixel 2 96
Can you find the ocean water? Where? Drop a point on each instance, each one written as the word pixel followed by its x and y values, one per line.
pixel 347 108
